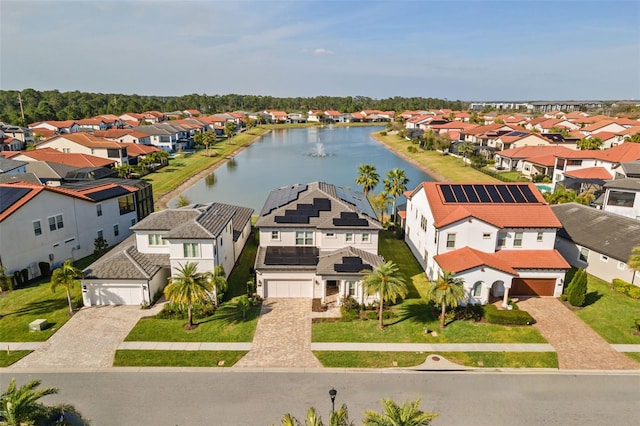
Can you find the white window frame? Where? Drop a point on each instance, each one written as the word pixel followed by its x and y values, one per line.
pixel 304 238
pixel 486 235
pixel 116 230
pixel 156 240
pixel 351 288
pixel 331 234
pixel 100 233
pixel 366 238
pixel 275 235
pixel 191 250
pixel 37 230
pixel 476 290
pixel 58 222
pixel 99 209
pixel 518 238
pixel 502 239
pixel 583 254
pixel 622 266
pixel 540 236
pixel 451 240
pixel 348 237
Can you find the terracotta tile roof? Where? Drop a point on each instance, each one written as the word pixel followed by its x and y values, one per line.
pixel 623 121
pixel 333 113
pixel 57 124
pixel 532 151
pixel 88 140
pixel 598 125
pixel 503 215
pixel 76 160
pixel 90 121
pixel 630 131
pixel 192 111
pixel 543 160
pixel 533 259
pixel 602 135
pixel 119 133
pixel 47 133
pixel 590 173
pixel 357 115
pixel 622 153
pixel 137 149
pixel 455 125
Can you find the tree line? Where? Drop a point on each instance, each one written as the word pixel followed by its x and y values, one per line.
pixel 56 105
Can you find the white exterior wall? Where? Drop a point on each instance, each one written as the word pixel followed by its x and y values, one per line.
pixel 487 276
pixel 530 141
pixel 306 278
pixel 140 291
pixel 287 238
pixel 225 254
pixel 143 246
pixel 63 145
pixel 242 241
pixel 20 247
pixel 632 212
pixel 205 260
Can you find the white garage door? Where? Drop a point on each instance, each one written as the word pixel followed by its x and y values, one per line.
pixel 289 288
pixel 113 295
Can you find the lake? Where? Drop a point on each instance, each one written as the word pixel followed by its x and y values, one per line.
pixel 284 157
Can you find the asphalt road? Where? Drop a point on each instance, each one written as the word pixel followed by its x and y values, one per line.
pixel 227 397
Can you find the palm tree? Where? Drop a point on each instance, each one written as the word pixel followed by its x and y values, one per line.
pixel 183 201
pixel 368 178
pixel 229 129
pixel 446 291
pixel 386 281
pixel 395 415
pixel 380 204
pixel 395 184
pixel 339 417
pixel 590 144
pixel 218 281
pixel 19 405
pixel 67 275
pixel 188 286
pixel 124 171
pixel 466 148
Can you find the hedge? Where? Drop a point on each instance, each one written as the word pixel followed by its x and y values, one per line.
pixel 624 287
pixel 504 317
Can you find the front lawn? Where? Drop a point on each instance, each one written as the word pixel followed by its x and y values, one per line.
pixel 609 313
pixel 6 359
pixel 355 359
pixel 139 358
pixel 225 325
pixel 36 301
pixel 414 315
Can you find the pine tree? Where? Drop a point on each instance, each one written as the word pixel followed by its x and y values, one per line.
pixel 577 289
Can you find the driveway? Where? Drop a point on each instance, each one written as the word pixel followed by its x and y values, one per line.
pixel 577 345
pixel 89 339
pixel 283 336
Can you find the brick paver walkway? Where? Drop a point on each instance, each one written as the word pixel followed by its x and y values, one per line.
pixel 577 345
pixel 283 336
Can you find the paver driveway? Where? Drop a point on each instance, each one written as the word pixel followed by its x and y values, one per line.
pixel 283 336
pixel 89 339
pixel 577 345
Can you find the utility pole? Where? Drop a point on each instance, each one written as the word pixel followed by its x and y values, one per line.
pixel 21 109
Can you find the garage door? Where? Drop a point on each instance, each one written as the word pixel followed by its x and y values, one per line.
pixel 532 287
pixel 288 288
pixel 113 295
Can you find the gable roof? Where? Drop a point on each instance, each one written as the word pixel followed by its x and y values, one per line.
pixel 627 151
pixel 598 230
pixel 626 183
pixel 532 151
pixel 88 140
pixel 535 213
pixel 589 173
pixel 70 159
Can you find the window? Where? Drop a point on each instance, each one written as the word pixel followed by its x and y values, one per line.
pixel 426 254
pixel 116 230
pixel 331 235
pixel 477 289
pixel 100 233
pixel 574 162
pixel 113 153
pixel 621 199
pixel 36 228
pixel 348 237
pixel 156 240
pixel 55 222
pixel 191 249
pixel 621 266
pixel 275 235
pixel 133 221
pixel 486 235
pixel 451 240
pixel 365 238
pixel 127 204
pixel 99 209
pixel 351 288
pixel 539 236
pixel 502 239
pixel 604 258
pixel 69 240
pixel 304 238
pixel 584 254
pixel 435 238
pixel 517 239
pixel 423 223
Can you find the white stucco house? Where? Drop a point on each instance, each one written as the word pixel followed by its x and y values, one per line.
pixel 622 196
pixel 598 241
pixel 499 238
pixel 84 143
pixel 135 271
pixel 40 223
pixel 316 240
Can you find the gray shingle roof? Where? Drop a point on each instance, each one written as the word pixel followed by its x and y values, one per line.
pixel 603 232
pixel 7 164
pixel 631 168
pixel 125 262
pixel 327 262
pixel 628 183
pixel 260 264
pixel 19 177
pixel 165 220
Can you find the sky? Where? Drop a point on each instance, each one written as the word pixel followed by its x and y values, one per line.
pixel 466 50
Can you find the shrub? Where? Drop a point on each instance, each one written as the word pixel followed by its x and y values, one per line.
pixel 468 313
pixel 412 149
pixel 577 289
pixel 348 303
pixel 77 302
pixel 383 133
pixel 348 316
pixel 177 311
pixel 621 286
pixel 9 281
pixel 634 292
pixel 388 314
pixel 372 315
pixel 564 297
pixel 496 316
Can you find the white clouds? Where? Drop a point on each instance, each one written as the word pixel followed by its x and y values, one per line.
pixel 321 51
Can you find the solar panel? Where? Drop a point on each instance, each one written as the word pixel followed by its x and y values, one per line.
pixel 106 194
pixel 493 194
pixel 281 196
pixel 471 195
pixel 349 219
pixel 504 192
pixel 457 190
pixel 301 256
pixel 447 193
pixel 9 195
pixel 322 204
pixel 358 199
pixel 526 191
pixel 482 193
pixel 292 219
pixel 517 195
pixel 351 264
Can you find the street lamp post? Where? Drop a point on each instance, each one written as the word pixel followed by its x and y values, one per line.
pixel 332 395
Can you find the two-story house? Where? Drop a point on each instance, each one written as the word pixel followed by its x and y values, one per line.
pixel 316 240
pixel 132 273
pixel 499 238
pixel 84 143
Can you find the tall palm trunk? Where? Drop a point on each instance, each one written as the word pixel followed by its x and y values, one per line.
pixel 393 212
pixel 190 314
pixel 444 308
pixel 69 301
pixel 380 324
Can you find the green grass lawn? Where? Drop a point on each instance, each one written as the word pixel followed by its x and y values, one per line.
pixel 633 355
pixel 414 314
pixel 609 313
pixel 448 167
pixel 135 358
pixel 35 301
pixel 354 359
pixel 6 359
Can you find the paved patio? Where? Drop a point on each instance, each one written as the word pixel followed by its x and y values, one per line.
pixel 282 337
pixel 577 345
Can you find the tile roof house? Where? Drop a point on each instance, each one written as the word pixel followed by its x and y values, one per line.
pixel 529 160
pixel 70 159
pixel 41 223
pixel 599 241
pixel 315 241
pixel 137 269
pixel 499 238
pixel 622 196
pixel 84 143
